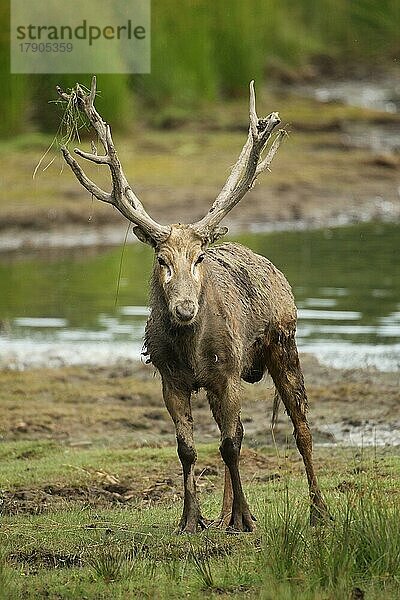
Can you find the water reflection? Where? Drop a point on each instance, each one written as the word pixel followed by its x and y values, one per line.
pixel 61 307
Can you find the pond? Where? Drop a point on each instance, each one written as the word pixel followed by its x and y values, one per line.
pixel 381 95
pixel 62 306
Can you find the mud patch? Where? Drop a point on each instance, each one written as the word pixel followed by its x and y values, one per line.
pixel 49 498
pixel 363 433
pixel 141 492
pixel 44 558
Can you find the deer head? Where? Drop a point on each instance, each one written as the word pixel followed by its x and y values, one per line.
pixel 180 249
pixel 179 269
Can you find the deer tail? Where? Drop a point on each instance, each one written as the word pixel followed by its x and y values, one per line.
pixel 275 408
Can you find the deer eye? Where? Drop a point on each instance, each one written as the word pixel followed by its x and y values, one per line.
pixel 200 259
pixel 166 269
pixel 161 262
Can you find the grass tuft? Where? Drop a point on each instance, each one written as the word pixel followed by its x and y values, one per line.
pixel 285 532
pixel 201 562
pixel 109 562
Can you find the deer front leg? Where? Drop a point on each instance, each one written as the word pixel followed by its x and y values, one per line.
pixel 235 512
pixel 178 405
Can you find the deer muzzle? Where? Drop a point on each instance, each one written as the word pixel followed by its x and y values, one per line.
pixel 185 311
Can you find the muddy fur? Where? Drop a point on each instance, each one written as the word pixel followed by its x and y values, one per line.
pixel 245 304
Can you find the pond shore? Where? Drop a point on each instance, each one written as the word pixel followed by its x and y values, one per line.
pixel 70 236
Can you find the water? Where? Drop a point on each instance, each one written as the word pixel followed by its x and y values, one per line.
pixel 381 96
pixel 377 95
pixel 59 306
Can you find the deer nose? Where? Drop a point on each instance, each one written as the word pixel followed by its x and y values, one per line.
pixel 186 310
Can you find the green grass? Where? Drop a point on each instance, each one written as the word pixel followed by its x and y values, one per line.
pixel 130 550
pixel 203 50
pixel 27 463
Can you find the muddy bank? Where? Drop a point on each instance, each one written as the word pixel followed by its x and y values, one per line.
pixel 331 186
pixel 85 405
pixel 284 214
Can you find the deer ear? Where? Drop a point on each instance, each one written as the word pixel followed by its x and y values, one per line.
pixel 144 237
pixel 217 233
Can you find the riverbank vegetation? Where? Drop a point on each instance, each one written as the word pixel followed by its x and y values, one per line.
pixel 204 50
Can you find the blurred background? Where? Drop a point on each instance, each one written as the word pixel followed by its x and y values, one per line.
pixel 327 215
pixel 206 51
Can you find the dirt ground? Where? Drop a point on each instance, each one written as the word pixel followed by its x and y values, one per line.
pixel 82 407
pixel 80 404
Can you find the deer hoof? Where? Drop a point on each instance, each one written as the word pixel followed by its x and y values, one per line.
pixel 193 524
pixel 242 521
pixel 319 515
pixel 226 522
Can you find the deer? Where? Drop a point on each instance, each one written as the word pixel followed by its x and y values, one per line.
pixel 218 315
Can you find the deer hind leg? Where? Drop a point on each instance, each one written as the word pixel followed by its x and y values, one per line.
pixel 178 405
pixel 284 367
pixel 235 513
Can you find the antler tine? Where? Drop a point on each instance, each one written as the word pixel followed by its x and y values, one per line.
pixel 252 110
pixel 83 178
pixel 265 164
pixel 121 195
pixel 93 88
pixel 245 171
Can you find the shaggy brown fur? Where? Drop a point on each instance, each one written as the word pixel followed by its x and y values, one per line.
pixel 244 325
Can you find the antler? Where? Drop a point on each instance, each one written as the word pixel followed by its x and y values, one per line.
pixel 244 173
pixel 121 195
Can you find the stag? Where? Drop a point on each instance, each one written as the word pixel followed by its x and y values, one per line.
pixel 219 315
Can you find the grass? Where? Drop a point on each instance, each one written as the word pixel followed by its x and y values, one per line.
pixel 130 549
pixel 91 495
pixel 203 50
